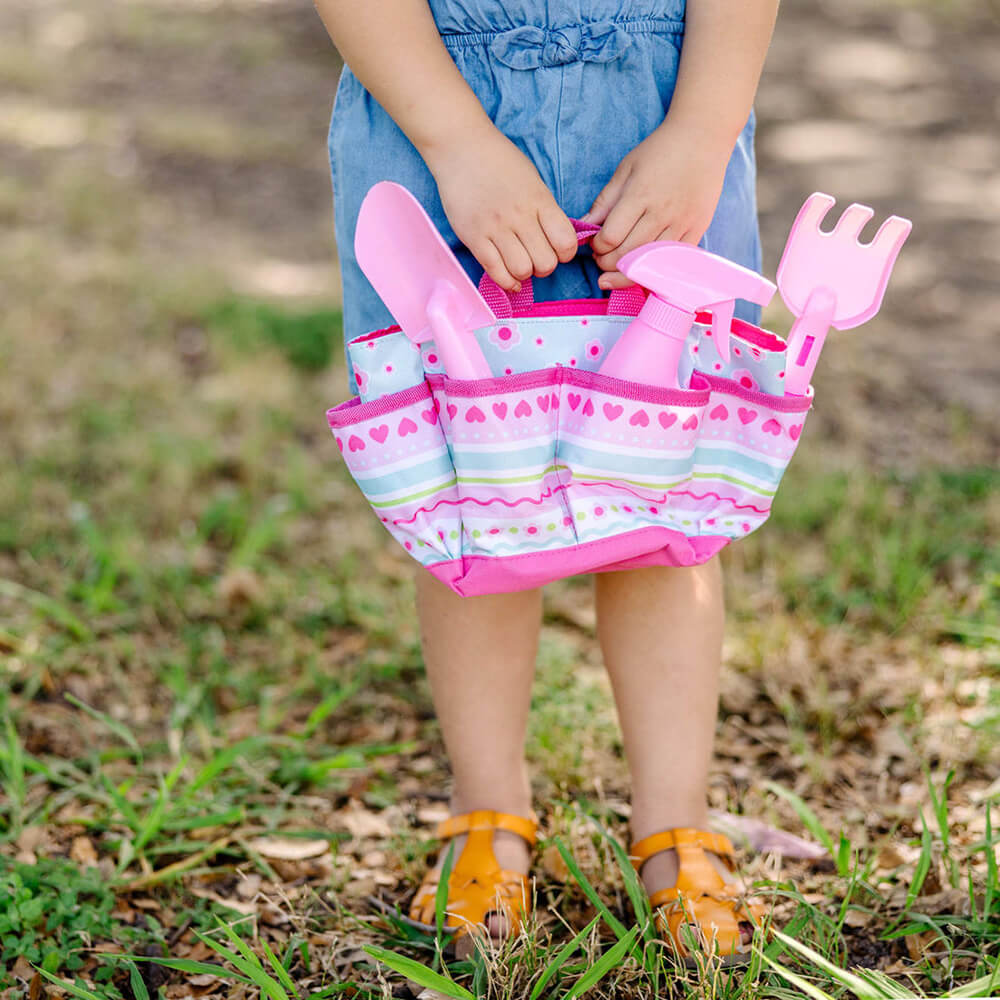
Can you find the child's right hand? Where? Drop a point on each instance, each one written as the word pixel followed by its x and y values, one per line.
pixel 500 208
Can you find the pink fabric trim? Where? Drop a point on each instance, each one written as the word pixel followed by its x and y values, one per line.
pixel 375 334
pixel 697 395
pixel 473 575
pixel 783 404
pixel 626 301
pixel 354 411
pixel 763 339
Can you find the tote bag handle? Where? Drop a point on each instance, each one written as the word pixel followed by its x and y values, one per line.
pixel 621 302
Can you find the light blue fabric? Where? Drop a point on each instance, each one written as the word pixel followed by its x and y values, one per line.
pixel 576 84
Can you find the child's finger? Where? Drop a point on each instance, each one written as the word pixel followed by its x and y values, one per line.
pixel 613 279
pixel 516 258
pixel 606 199
pixel 491 259
pixel 560 232
pixel 543 257
pixel 620 222
pixel 645 230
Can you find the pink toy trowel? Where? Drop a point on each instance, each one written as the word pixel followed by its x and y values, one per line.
pixel 681 280
pixel 420 280
pixel 830 279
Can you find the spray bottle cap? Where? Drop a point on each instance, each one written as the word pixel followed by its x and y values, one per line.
pixel 689 278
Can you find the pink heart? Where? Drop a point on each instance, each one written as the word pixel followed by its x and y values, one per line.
pixel 475 415
pixel 794 431
pixel 613 411
pixel 500 409
pixel 772 427
pixel 639 419
pixel 543 403
pixel 452 410
pixel 574 400
pixel 746 416
pixel 379 433
pixel 522 409
pixel 407 426
pixel 355 443
pixel 719 413
pixel 667 419
pixel 430 416
pixel 588 408
pixel 690 424
pixel 555 402
pixel 340 444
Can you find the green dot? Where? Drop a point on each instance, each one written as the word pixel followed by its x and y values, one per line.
pixel 513 531
pixel 614 508
pixel 580 515
pixel 685 522
pixel 552 527
pixel 643 509
pixel 454 534
pixel 420 543
pixel 476 533
pixel 728 524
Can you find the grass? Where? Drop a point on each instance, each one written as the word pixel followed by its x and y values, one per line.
pixel 198 664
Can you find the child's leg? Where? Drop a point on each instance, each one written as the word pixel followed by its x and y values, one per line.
pixel 480 655
pixel 661 634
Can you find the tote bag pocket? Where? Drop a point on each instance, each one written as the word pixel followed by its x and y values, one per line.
pixel 502 434
pixel 396 451
pixel 746 442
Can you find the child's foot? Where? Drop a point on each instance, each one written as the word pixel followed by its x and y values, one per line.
pixel 512 853
pixel 496 861
pixel 660 872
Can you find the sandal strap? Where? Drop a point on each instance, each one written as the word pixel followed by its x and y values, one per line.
pixel 642 850
pixel 488 819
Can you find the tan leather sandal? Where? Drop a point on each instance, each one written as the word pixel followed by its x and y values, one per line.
pixel 478 886
pixel 701 898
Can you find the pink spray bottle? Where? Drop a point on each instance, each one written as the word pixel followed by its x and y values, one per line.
pixel 681 279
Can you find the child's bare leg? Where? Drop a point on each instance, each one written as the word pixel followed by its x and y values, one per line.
pixel 661 634
pixel 480 654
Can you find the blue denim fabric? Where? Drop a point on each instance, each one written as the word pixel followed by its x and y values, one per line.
pixel 576 84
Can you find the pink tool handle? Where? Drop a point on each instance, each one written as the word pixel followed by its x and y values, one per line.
pixel 805 340
pixel 459 350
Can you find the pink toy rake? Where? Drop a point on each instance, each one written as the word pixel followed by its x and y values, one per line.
pixel 831 279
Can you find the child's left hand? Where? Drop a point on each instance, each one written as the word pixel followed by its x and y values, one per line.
pixel 665 189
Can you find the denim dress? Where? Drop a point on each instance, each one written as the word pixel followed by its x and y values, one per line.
pixel 576 85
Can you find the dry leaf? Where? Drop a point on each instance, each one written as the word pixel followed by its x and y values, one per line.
pixel 433 814
pixel 240 586
pixel 553 864
pixel 361 822
pixel 288 849
pixel 82 851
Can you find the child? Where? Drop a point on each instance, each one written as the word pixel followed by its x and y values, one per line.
pixel 506 119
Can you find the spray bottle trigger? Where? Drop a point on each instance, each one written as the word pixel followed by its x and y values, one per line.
pixel 722 321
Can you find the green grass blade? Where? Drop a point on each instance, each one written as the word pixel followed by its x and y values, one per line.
pixel 604 964
pixel 189 965
pixel 809 819
pixel 563 956
pixel 796 980
pixel 427 978
pixel 71 988
pixel 47 606
pixel 856 984
pixel 923 863
pixel 589 891
pixel 441 894
pixel 279 970
pixel 113 725
pixel 247 963
pixel 136 981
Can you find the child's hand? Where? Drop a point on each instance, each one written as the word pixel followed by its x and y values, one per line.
pixel 501 209
pixel 665 189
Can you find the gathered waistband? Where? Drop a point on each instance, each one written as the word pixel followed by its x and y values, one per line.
pixel 530 46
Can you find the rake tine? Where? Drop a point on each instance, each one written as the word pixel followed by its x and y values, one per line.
pixel 891 236
pixel 853 220
pixel 813 211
